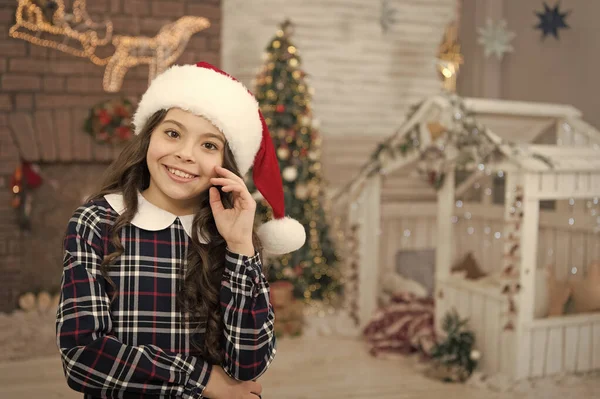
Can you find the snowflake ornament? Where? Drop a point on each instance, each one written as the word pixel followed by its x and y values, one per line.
pixel 495 39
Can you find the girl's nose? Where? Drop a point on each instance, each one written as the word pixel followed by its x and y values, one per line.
pixel 185 154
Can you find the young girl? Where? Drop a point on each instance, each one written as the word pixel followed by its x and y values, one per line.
pixel 163 293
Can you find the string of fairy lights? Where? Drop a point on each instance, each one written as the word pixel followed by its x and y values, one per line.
pixel 158 52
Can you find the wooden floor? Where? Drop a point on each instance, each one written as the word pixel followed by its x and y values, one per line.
pixel 305 368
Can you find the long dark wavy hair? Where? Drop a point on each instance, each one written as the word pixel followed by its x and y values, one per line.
pixel 199 296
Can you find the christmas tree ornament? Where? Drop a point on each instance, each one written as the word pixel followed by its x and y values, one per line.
pixel 302 191
pixel 283 153
pixel 290 173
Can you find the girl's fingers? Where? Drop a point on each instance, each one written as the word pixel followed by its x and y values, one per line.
pixel 234 187
pixel 243 193
pixel 239 188
pixel 229 174
pixel 222 181
pixel 215 199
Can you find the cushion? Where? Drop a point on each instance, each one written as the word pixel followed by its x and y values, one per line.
pixel 394 283
pixel 558 293
pixel 469 266
pixel 542 296
pixel 586 291
pixel 418 266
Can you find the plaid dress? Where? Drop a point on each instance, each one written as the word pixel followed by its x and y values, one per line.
pixel 139 345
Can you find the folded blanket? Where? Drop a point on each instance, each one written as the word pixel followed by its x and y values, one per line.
pixel 404 326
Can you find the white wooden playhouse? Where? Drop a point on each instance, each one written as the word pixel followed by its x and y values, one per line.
pixel 534 204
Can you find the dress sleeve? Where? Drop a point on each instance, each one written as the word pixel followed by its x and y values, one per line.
pixel 94 361
pixel 249 334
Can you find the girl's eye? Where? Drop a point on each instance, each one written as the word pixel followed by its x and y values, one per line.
pixel 210 146
pixel 172 134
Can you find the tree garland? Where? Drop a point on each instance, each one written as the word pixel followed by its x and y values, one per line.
pixel 473 143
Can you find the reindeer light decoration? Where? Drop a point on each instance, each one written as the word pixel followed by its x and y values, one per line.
pixel 158 52
pixel 32 21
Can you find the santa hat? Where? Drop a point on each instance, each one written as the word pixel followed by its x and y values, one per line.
pixel 205 90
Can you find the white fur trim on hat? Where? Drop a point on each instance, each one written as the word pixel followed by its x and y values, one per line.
pixel 225 102
pixel 281 236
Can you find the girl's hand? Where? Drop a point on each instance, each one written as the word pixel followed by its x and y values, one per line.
pixel 235 225
pixel 221 386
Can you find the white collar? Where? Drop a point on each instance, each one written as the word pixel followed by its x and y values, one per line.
pixel 149 216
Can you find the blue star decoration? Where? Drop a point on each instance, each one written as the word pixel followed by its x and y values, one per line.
pixel 551 20
pixel 388 16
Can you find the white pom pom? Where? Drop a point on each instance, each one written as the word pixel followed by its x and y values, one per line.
pixel 281 236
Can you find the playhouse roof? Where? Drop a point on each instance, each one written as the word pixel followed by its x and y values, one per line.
pixel 558 159
pixel 524 122
pixel 519 123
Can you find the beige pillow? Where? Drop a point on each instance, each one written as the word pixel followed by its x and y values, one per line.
pixel 542 296
pixel 586 291
pixel 558 293
pixel 470 267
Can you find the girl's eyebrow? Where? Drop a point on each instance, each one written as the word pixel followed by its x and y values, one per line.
pixel 182 127
pixel 215 136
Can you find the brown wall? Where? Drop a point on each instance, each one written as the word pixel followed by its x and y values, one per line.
pixel 45 96
pixel 558 71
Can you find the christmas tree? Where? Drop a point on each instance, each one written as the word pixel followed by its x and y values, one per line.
pixel 455 357
pixel 284 98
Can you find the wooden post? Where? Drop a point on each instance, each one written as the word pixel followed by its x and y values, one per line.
pixel 511 230
pixel 444 243
pixel 368 276
pixel 529 244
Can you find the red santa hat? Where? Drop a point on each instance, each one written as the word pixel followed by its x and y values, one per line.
pixel 207 91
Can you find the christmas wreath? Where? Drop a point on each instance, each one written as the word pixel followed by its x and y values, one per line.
pixel 110 122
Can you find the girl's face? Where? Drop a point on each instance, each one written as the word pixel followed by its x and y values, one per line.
pixel 183 152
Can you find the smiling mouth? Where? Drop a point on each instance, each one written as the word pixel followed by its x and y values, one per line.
pixel 179 174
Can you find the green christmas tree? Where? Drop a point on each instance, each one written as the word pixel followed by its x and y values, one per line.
pixel 284 98
pixel 456 353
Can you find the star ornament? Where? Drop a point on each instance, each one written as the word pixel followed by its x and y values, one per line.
pixel 551 20
pixel 495 39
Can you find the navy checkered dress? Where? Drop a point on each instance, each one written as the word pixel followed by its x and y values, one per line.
pixel 139 345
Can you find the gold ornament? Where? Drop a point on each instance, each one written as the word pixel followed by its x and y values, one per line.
pixel 283 153
pixel 436 130
pixel 301 191
pixel 290 173
pixel 449 57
